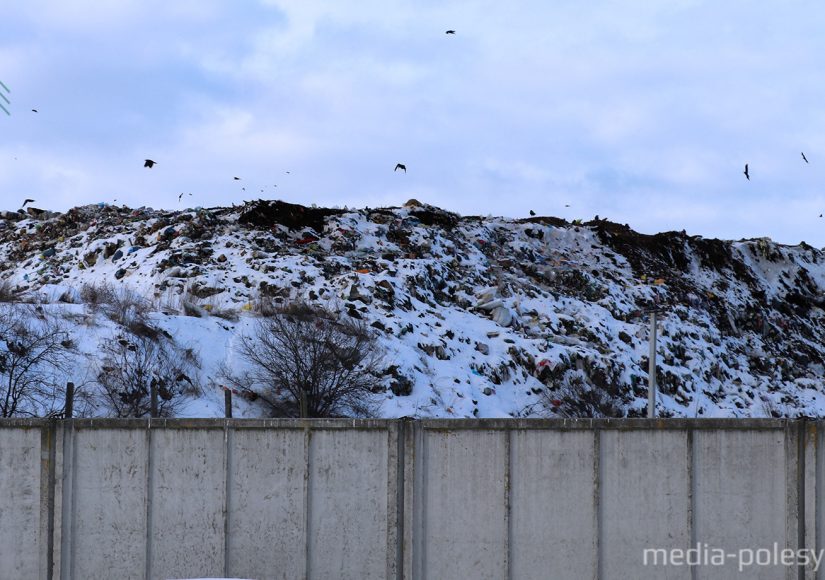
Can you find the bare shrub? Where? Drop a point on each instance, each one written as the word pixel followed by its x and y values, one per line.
pixel 306 361
pixel 96 295
pixel 230 314
pixel 7 293
pixel 128 308
pixel 33 362
pixel 139 372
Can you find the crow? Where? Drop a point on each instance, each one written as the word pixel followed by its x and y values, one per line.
pixel 149 163
pixel 805 158
pixel 400 166
pixel 746 172
pixel 532 213
pixel 450 32
pixel 27 201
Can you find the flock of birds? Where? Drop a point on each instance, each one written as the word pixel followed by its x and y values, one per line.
pixel 150 163
pixel 748 176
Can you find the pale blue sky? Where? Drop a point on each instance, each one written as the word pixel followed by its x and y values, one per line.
pixel 644 112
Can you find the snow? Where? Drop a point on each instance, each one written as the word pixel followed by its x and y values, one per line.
pixel 466 311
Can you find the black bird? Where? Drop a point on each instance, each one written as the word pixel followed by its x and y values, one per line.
pixel 27 201
pixel 34 110
pixel 149 163
pixel 746 172
pixel 567 205
pixel 532 213
pixel 805 158
pixel 450 32
pixel 179 197
pixel 400 166
pixel 236 178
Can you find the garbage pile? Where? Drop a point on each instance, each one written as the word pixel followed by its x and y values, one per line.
pixel 479 316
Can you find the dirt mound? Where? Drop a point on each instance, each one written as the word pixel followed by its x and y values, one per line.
pixel 657 255
pixel 545 220
pixel 433 216
pixel 266 213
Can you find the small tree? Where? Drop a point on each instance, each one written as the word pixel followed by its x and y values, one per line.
pixel 144 376
pixel 308 362
pixel 33 362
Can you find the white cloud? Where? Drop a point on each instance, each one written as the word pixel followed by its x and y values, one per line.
pixel 642 111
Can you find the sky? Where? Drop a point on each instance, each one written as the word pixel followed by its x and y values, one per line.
pixel 643 112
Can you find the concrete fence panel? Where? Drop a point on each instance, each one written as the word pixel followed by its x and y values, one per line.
pixel 463 499
pixel 553 498
pixel 746 498
pixel 107 507
pixel 267 483
pixel 187 511
pixel 644 478
pixel 21 535
pixel 397 499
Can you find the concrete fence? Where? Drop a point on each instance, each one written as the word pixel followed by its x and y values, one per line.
pixel 434 499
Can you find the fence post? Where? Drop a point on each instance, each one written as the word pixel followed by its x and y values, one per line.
pixel 227 403
pixel 153 392
pixel 651 369
pixel 69 408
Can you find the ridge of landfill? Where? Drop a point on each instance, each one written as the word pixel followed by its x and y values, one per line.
pixel 478 316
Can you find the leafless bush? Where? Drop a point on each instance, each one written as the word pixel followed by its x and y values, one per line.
pixel 128 308
pixel 96 295
pixel 139 372
pixel 7 293
pixel 306 361
pixel 33 362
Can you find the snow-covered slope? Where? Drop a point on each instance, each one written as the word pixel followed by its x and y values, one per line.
pixel 479 316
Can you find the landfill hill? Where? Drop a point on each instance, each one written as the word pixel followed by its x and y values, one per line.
pixel 479 316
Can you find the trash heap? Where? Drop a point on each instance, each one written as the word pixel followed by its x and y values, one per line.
pixel 479 316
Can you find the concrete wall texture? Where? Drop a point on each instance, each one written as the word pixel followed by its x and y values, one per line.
pixel 387 499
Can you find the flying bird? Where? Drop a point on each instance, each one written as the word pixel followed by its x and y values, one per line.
pixel 400 166
pixel 532 213
pixel 450 32
pixel 236 178
pixel 149 163
pixel 34 110
pixel 27 201
pixel 179 197
pixel 746 172
pixel 805 158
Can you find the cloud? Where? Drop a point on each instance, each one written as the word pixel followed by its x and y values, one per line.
pixel 644 112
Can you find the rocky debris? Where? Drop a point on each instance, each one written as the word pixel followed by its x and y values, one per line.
pixel 570 303
pixel 400 384
pixel 498 312
pixel 360 294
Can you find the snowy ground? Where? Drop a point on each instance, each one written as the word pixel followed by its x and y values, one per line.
pixel 486 317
